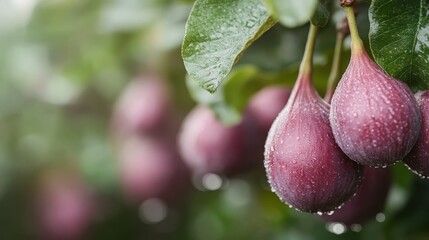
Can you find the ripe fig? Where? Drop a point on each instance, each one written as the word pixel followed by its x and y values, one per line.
pixel 369 200
pixel 266 104
pixel 260 113
pixel 304 165
pixel 64 207
pixel 208 146
pixel 142 107
pixel 374 117
pixel 418 159
pixel 149 168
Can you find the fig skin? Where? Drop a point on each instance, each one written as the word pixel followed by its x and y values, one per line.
pixel 208 146
pixel 369 200
pixel 418 158
pixel 304 165
pixel 374 117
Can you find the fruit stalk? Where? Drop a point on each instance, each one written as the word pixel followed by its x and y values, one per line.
pixel 357 44
pixel 306 67
pixel 334 75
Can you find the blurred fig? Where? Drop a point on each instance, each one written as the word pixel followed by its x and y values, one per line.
pixel 374 117
pixel 64 207
pixel 368 201
pixel 150 168
pixel 142 107
pixel 266 104
pixel 304 165
pixel 208 146
pixel 418 159
pixel 260 113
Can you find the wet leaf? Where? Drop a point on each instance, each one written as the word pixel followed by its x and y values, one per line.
pixel 217 33
pixel 399 37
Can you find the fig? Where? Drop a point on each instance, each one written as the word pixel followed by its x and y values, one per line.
pixel 150 168
pixel 374 117
pixel 369 200
pixel 304 165
pixel 64 206
pixel 260 113
pixel 142 107
pixel 208 146
pixel 418 158
pixel 266 104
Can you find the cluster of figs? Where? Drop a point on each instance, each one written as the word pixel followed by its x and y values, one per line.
pixel 332 158
pixel 320 155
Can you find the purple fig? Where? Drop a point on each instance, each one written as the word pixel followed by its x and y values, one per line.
pixel 149 168
pixel 304 165
pixel 418 159
pixel 64 207
pixel 374 117
pixel 208 146
pixel 142 107
pixel 368 201
pixel 266 104
pixel 260 113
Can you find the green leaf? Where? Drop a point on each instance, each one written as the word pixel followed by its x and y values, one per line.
pixel 399 37
pixel 217 33
pixel 292 13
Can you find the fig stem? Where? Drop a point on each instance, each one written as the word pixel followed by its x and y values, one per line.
pixel 357 44
pixel 334 75
pixel 306 66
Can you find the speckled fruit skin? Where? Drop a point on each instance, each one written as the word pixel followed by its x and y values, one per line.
pixel 368 201
pixel 304 165
pixel 375 118
pixel 418 159
pixel 208 146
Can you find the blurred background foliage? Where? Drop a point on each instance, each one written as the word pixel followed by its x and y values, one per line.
pixel 63 65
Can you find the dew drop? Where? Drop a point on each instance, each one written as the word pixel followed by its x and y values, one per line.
pixel 251 23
